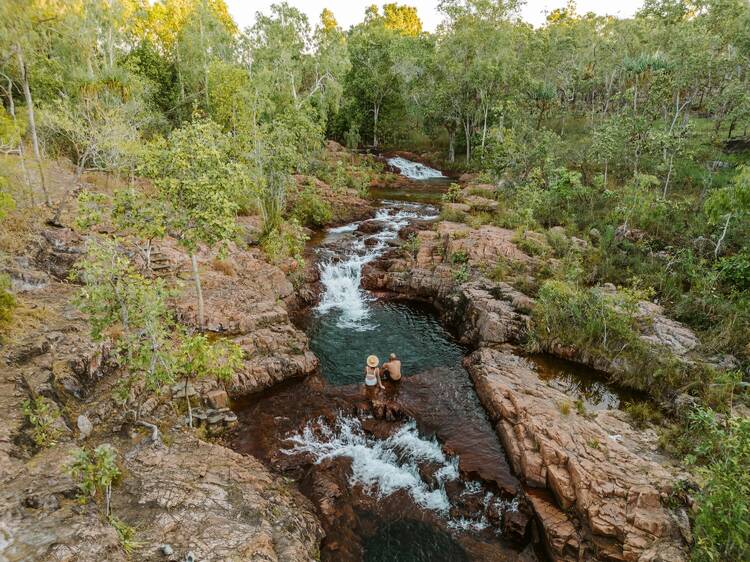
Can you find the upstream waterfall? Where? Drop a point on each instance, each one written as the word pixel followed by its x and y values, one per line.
pixel 344 254
pixel 414 170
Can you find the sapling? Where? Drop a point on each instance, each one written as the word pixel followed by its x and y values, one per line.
pixel 95 473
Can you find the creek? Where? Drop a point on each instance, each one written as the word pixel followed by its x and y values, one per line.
pixel 415 472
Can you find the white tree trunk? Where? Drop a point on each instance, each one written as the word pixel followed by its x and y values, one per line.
pixel 32 121
pixel 198 289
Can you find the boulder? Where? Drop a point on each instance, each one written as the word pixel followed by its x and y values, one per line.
pixel 85 427
pixel 217 398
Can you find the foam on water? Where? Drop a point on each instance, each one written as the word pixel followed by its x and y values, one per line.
pixel 341 273
pixel 381 467
pixel 384 466
pixel 414 170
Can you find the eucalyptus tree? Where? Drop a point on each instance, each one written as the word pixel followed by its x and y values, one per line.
pixel 198 181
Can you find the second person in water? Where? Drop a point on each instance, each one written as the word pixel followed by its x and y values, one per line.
pixel 373 374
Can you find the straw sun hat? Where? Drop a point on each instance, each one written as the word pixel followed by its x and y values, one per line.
pixel 372 361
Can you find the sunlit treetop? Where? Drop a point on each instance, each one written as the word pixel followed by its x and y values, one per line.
pixel 400 18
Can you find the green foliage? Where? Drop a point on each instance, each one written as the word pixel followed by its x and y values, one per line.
pixel 126 535
pixel 604 326
pixel 43 420
pixel 412 245
pixel 462 274
pixel 286 241
pixel 642 413
pixel 734 271
pixel 95 472
pixel 721 448
pixel 123 304
pixel 199 182
pixel 453 195
pixel 310 209
pixel 7 300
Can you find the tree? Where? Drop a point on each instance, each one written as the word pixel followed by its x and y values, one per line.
pixel 196 357
pixel 198 188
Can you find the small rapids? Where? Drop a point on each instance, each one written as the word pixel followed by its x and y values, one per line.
pixel 399 462
pixel 341 272
pixel 414 170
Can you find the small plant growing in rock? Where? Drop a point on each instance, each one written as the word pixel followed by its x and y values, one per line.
pixel 594 443
pixel 126 534
pixel 7 300
pixel 95 473
pixel 461 275
pixel 642 413
pixel 453 195
pixel 564 408
pixel 459 257
pixel 42 420
pixel 412 245
pixel 580 407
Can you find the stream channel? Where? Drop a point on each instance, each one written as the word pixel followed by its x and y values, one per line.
pixel 415 472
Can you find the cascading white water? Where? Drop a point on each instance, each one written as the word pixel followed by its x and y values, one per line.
pixel 414 170
pixel 384 466
pixel 341 273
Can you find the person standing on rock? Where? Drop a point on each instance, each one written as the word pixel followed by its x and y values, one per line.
pixel 392 368
pixel 372 373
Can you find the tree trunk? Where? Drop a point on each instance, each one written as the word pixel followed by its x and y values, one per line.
pixel 723 235
pixel 375 112
pixel 198 289
pixel 467 136
pixel 21 155
pixel 32 121
pixel 669 175
pixel 451 146
pixel 484 129
pixel 190 407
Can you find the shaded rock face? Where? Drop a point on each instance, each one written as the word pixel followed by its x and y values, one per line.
pixel 479 311
pixel 220 505
pixel 608 481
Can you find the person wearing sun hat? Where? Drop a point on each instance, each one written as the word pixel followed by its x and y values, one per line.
pixel 372 373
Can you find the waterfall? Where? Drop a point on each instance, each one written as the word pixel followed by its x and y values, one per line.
pixel 414 170
pixel 341 271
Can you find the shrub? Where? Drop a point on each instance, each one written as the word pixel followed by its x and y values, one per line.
pixel 310 209
pixel 42 418
pixel 722 520
pixel 96 472
pixel 7 300
pixel 286 241
pixel 642 413
pixel 462 274
pixel 412 245
pixel 564 408
pixel 734 271
pixel 453 195
pixel 459 257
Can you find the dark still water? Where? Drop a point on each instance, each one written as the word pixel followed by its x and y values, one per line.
pixel 411 331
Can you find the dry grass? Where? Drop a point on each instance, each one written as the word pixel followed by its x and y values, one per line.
pixel 224 266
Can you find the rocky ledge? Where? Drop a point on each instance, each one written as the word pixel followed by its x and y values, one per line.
pixel 611 488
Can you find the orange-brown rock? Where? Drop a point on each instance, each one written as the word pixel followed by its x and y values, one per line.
pixel 601 471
